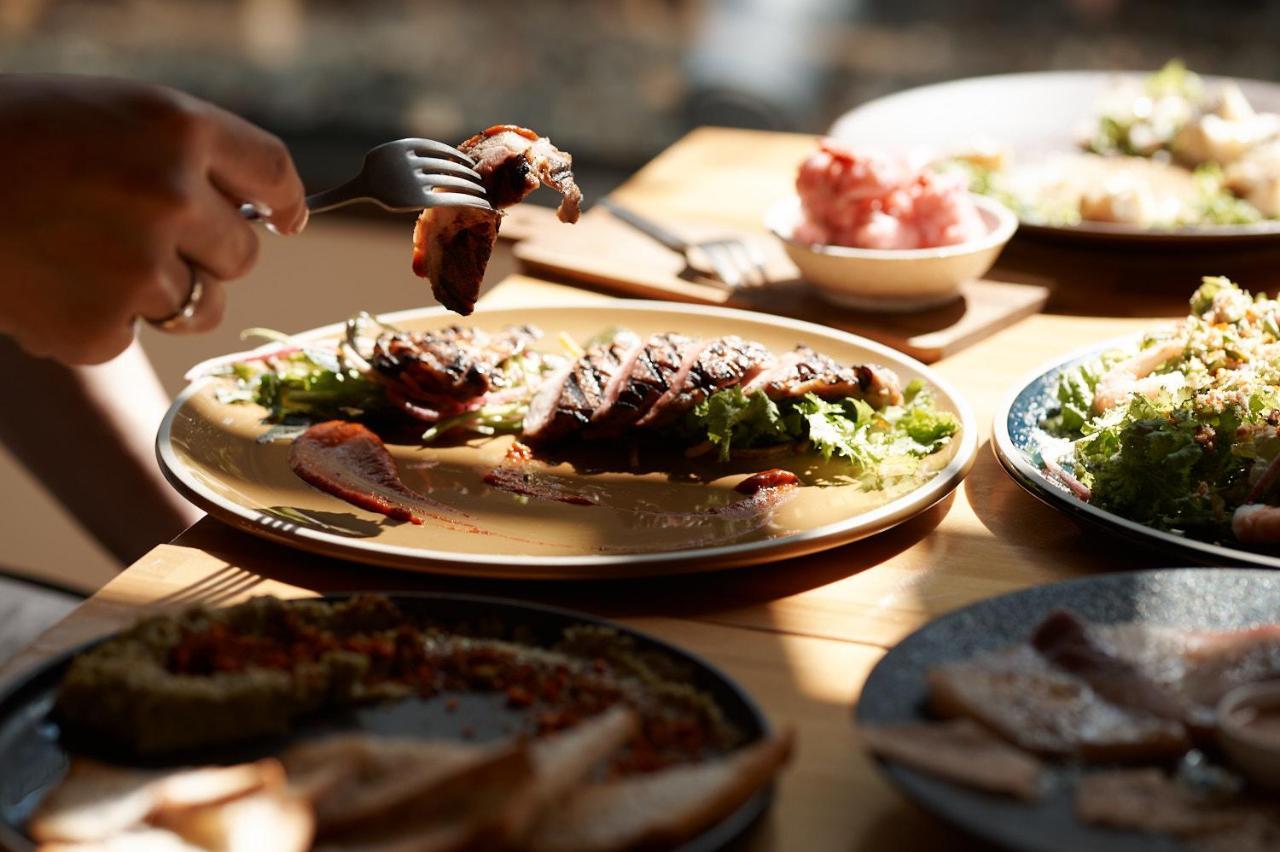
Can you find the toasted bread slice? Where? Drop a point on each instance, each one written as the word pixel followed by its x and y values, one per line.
pixel 464 810
pixel 355 779
pixel 273 820
pixel 212 785
pixel 97 801
pixel 562 762
pixel 962 751
pixel 93 802
pixel 660 809
pixel 1019 695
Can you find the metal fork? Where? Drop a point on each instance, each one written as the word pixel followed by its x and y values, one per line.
pixel 736 262
pixel 402 176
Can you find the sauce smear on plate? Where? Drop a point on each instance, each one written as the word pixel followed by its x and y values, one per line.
pixel 350 462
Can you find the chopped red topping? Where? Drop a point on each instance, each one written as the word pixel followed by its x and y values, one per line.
pixel 557 692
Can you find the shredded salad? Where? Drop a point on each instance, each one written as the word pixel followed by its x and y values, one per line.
pixel 1164 152
pixel 1183 431
pixel 305 382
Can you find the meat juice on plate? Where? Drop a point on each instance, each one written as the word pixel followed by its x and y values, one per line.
pixel 683 499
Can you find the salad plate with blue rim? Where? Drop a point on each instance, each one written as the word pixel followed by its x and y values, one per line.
pixel 1200 468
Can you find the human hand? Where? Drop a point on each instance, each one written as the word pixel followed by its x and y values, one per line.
pixel 116 194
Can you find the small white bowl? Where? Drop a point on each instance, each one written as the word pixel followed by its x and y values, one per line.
pixel 893 280
pixel 1252 752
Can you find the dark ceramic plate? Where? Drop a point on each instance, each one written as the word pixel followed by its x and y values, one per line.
pixel 1033 115
pixel 1015 437
pixel 33 757
pixel 1191 598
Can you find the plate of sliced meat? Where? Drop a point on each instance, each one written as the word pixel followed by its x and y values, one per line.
pixel 626 439
pixel 1086 714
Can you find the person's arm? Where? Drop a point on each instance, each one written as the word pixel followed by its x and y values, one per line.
pixel 115 195
pixel 88 435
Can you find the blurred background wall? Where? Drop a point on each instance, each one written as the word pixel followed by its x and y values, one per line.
pixel 612 81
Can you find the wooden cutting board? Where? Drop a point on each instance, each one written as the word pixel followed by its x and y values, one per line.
pixel 604 252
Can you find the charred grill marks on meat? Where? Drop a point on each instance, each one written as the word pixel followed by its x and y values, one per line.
pixel 566 402
pixel 452 245
pixel 804 370
pixel 621 384
pixel 642 379
pixel 627 384
pixel 720 364
pixel 455 362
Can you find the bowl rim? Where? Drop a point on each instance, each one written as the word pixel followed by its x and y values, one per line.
pixel 1006 223
pixel 1263 693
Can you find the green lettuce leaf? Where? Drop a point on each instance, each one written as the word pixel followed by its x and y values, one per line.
pixel 847 428
pixel 1169 469
pixel 730 417
pixel 308 384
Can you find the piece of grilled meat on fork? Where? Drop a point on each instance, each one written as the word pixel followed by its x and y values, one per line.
pixel 452 245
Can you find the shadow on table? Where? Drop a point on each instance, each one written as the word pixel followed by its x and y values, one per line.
pixel 346 524
pixel 1018 518
pixel 1142 280
pixel 925 831
pixel 677 595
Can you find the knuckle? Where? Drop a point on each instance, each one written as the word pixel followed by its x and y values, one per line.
pixel 169 197
pixel 277 164
pixel 181 117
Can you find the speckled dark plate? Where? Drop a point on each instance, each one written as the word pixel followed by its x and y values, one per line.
pixel 1015 435
pixel 1191 598
pixel 33 756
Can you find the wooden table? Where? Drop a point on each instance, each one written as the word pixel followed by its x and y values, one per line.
pixel 800 635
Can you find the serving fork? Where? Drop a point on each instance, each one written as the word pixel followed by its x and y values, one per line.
pixel 403 176
pixel 735 262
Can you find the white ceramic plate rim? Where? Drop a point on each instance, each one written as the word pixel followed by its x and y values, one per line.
pixel 1013 459
pixel 829 535
pixel 778 216
pixel 1265 228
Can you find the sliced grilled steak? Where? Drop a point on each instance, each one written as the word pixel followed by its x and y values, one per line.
pixel 803 370
pixel 456 362
pixel 565 405
pixel 721 363
pixel 652 371
pixel 688 357
pixel 617 382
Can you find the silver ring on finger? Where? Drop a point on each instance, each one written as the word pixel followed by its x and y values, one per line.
pixel 189 308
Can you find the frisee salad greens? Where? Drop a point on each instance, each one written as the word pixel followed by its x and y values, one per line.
pixel 1188 443
pixel 848 428
pixel 301 383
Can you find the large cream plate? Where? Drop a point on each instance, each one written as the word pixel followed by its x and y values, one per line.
pixel 651 522
pixel 1035 115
